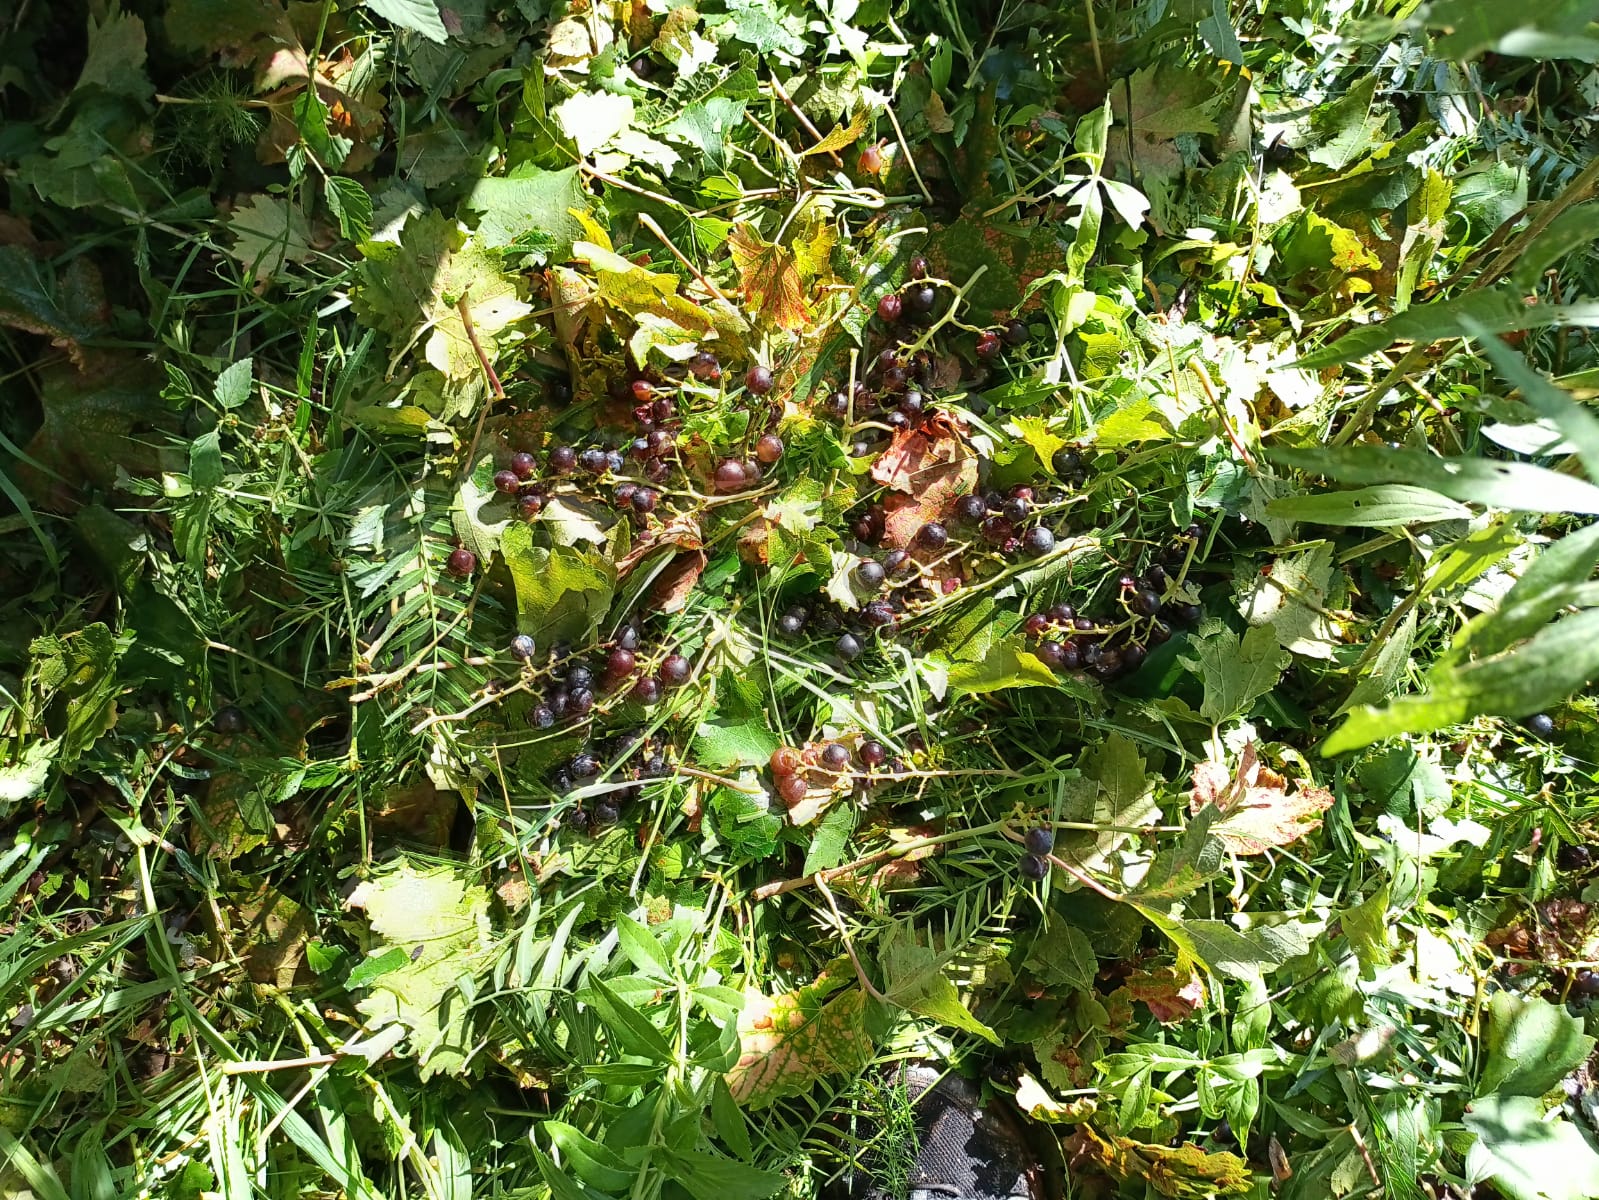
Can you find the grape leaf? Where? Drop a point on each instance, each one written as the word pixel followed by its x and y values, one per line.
pixel 561 592
pixel 1235 674
pixel 789 1041
pixel 1062 956
pixel 530 199
pixel 770 278
pixel 1531 1046
pixel 1291 598
pixel 441 923
pixel 1258 811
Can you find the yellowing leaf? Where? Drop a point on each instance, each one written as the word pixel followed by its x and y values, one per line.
pixel 1259 812
pixel 770 277
pixel 842 135
pixel 441 925
pixel 1171 994
pixel 1182 1172
pixel 790 1041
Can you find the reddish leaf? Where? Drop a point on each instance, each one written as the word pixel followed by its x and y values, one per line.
pixel 925 469
pixel 1170 994
pixel 770 278
pixel 1259 812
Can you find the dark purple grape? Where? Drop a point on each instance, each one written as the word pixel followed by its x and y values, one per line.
pixel 606 812
pixel 642 390
pixel 918 267
pixel 1038 540
pixel 615 460
pixel 1052 655
pixel 888 308
pixel 645 500
pixel 592 460
pixel 582 700
pixel 897 420
pixel 1585 982
pixel 894 378
pixel 769 448
pixel 1061 614
pixel 229 719
pixel 996 530
pixel 1040 840
pixel 988 344
pixel 869 528
pixel 664 409
pixel 790 625
pixel 1182 613
pixel 578 675
pixel 870 574
pixel 920 299
pixel 932 536
pixel 1157 578
pixel 656 767
pixel 1540 725
pixel 675 670
pixel 849 648
pixel 873 754
pixel 1015 333
pixel 506 483
pixel 646 691
pixel 730 475
pixel 1016 510
pixel 628 637
pixel 836 405
pixel 1071 657
pixel 835 756
pixel 461 562
pixel 1573 858
pixel 912 405
pixel 522 646
pixel 584 766
pixel 1084 624
pixel 1036 625
pixel 1065 461
pixel 563 459
pixel 759 380
pixel 523 464
pixel 705 366
pixel 1145 602
pixel 576 820
pixel 1133 657
pixel 657 470
pixel 624 493
pixel 896 562
pixel 659 442
pixel 971 508
pixel 530 505
pixel 621 662
pixel 879 614
pixel 1033 867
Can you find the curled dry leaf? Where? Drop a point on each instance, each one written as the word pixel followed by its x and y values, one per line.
pixel 1258 811
pixel 924 469
pixel 1171 994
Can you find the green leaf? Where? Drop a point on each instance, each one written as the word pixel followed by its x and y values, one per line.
pixel 1236 674
pixel 748 743
pixel 591 1161
pixel 23 779
pixel 707 125
pixel 1292 599
pixel 831 839
pixel 79 671
pixel 629 1027
pixel 350 205
pixel 1544 588
pixel 1062 956
pixel 562 593
pixel 914 979
pixel 747 827
pixel 1388 668
pixel 116 57
pixel 375 966
pixel 205 460
pixel 1498 311
pixel 642 948
pixel 232 387
pixel 1530 1155
pixel 715 1177
pixel 789 1041
pixel 1532 1045
pixel 419 16
pixel 1225 951
pixel 1519 487
pixel 530 199
pixel 1543 672
pixel 1369 507
pixel 1580 427
pixel 591 119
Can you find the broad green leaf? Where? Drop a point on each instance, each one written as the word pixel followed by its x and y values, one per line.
pixel 562 593
pixel 78 671
pixel 642 947
pixel 1292 599
pixel 632 1030
pixel 1499 311
pixel 1369 507
pixel 1388 668
pixel 724 744
pixel 23 779
pixel 831 839
pixel 1517 683
pixel 527 200
pixel 418 16
pixel 439 920
pixel 1236 674
pixel 591 119
pixel 1225 951
pixel 1544 588
pixel 1368 927
pixel 1531 1045
pixel 1579 425
pixel 706 126
pixel 1466 558
pixel 715 1177
pixel 116 57
pixel 350 205
pixel 1530 1154
pixel 1519 487
pixel 1062 955
pixel 232 387
pixel 591 1161
pixel 914 979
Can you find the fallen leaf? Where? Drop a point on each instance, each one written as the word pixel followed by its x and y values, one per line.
pixel 925 469
pixel 770 277
pixel 1171 994
pixel 1259 812
pixel 1036 1102
pixel 672 587
pixel 788 1042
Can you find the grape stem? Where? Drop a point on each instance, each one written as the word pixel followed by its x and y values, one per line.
pixel 949 313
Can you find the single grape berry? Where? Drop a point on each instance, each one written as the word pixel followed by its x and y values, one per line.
pixel 606 812
pixel 506 483
pixel 1157 578
pixel 643 392
pixel 849 647
pixel 1038 540
pixel 894 378
pixel 1061 614
pixel 582 699
pixel 1540 725
pixel 624 493
pixel 645 500
pixel 932 536
pixel 1016 510
pixel 896 561
pixel 879 614
pixel 1036 625
pixel 1184 614
pixel 1145 602
pixel 1015 333
pixel 919 267
pixel 769 448
pixel 870 574
pixel 1133 657
pixel 1065 461
pixel 836 405
pixel 869 527
pixel 523 464
pixel 873 754
pixel 792 789
pixel 987 344
pixel 646 690
pixel 461 563
pixel 1572 858
pixel 1033 867
pixel 576 820
pixel 790 625
pixel 730 475
pixel 704 365
pixel 659 442
pixel 996 530
pixel 615 460
pixel 675 670
pixel 1039 841
pixel 971 508
pixel 628 637
pixel 1052 654
pixel 563 459
pixel 758 380
pixel 621 662
pixel 522 646
pixel 785 760
pixel 897 420
pixel 920 299
pixel 656 767
pixel 228 719
pixel 1071 658
pixel 835 756
pixel 592 460
pixel 889 308
pixel 584 766
pixel 530 506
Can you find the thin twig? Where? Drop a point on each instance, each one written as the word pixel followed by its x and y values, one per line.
pixel 803 119
pixel 910 158
pixel 1086 880
pixel 849 944
pixel 649 223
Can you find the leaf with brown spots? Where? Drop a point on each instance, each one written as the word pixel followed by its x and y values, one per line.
pixel 925 468
pixel 1259 812
pixel 769 274
pixel 788 1042
pixel 1171 993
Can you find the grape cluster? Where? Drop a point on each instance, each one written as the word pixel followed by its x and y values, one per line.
pixel 625 668
pixel 796 770
pixel 1037 843
pixel 636 759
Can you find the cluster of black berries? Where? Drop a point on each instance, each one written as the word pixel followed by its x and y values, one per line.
pixel 573 696
pixel 636 761
pixel 1038 844
pixel 851 631
pixel 824 762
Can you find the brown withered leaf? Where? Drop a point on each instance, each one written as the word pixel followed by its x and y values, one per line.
pixel 1171 993
pixel 681 531
pixel 671 589
pixel 1259 812
pixel 770 277
pixel 925 469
